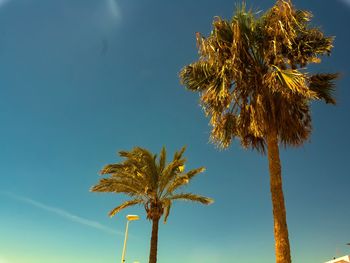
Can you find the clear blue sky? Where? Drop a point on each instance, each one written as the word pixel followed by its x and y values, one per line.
pixel 81 80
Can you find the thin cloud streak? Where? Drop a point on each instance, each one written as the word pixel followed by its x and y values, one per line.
pixel 62 213
pixel 2 260
pixel 2 3
pixel 346 2
pixel 113 8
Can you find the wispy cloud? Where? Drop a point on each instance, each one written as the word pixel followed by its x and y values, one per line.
pixel 346 2
pixel 2 3
pixel 113 8
pixel 62 213
pixel 2 260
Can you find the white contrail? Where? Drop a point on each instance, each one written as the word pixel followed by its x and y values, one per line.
pixel 2 260
pixel 113 8
pixel 3 2
pixel 62 213
pixel 346 2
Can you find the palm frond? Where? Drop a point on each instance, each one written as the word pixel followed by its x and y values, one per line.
pixel 197 76
pixel 113 185
pixel 182 180
pixel 172 170
pixel 246 21
pixel 112 168
pixel 192 197
pixel 310 44
pixel 224 130
pixel 323 85
pixel 126 154
pixel 178 154
pixel 294 81
pixel 167 207
pixel 125 205
pixel 146 163
pixel 124 172
pixel 162 159
pixel 294 121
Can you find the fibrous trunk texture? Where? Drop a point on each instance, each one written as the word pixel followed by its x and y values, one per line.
pixel 154 241
pixel 282 248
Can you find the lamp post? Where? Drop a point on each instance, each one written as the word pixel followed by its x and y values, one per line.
pixel 129 218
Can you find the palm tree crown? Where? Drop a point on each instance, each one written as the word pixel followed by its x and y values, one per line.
pixel 253 85
pixel 150 182
pixel 251 75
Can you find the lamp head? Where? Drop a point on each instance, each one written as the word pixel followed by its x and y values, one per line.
pixel 132 217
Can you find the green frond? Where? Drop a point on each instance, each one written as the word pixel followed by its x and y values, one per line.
pixel 224 130
pixel 174 167
pixel 194 172
pixel 112 168
pixel 192 197
pixel 171 171
pixel 177 182
pixel 295 81
pixel 112 185
pixel 182 180
pixel 162 159
pixel 125 172
pixel 125 154
pixel 145 178
pixel 323 85
pixel 197 76
pixel 246 21
pixel 178 154
pixel 146 163
pixel 303 17
pixel 222 32
pixel 253 142
pixel 314 42
pixel 167 207
pixel 125 205
pixel 294 121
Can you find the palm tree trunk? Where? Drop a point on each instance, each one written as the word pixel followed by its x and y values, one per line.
pixel 154 241
pixel 282 248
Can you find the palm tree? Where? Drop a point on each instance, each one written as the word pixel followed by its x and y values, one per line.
pixel 253 86
pixel 149 182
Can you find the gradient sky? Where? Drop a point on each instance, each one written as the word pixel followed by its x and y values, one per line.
pixel 83 79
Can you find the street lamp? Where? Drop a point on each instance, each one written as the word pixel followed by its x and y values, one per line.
pixel 129 218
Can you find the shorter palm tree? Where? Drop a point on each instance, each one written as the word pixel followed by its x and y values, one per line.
pixel 150 182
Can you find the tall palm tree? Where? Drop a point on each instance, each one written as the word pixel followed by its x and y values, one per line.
pixel 150 182
pixel 253 85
